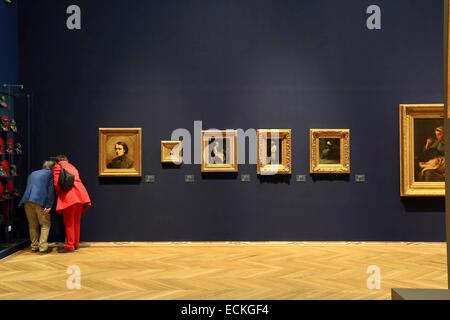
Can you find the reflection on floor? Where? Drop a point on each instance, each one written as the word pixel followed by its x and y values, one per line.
pixel 224 270
pixel 8 248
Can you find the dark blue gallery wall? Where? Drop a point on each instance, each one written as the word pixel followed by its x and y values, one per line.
pixel 9 44
pixel 298 64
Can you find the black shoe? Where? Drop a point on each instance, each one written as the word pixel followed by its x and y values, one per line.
pixel 44 252
pixel 34 250
pixel 64 250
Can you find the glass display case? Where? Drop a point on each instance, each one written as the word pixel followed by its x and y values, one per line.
pixel 15 110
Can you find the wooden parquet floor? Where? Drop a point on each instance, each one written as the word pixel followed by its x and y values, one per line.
pixel 228 271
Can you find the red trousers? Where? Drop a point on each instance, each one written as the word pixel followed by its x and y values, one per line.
pixel 72 218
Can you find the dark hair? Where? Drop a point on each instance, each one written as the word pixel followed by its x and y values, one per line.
pixel 61 157
pixel 124 145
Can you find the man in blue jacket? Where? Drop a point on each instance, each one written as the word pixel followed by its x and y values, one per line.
pixel 38 201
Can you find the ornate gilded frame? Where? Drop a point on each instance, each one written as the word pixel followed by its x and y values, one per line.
pixel 132 133
pixel 408 186
pixel 344 163
pixel 231 136
pixel 446 63
pixel 167 147
pixel 284 136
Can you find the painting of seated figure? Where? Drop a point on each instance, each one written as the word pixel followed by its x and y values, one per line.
pixel 422 146
pixel 219 151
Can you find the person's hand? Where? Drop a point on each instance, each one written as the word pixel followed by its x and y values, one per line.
pixel 429 142
pixel 47 210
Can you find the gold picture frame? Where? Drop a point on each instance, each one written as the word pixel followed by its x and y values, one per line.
pixel 219 151
pixel 422 165
pixel 276 158
pixel 172 152
pixel 447 58
pixel 120 152
pixel 330 151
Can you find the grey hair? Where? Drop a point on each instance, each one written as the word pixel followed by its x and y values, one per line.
pixel 48 165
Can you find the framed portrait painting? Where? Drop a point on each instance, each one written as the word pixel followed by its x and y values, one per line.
pixel 219 151
pixel 120 152
pixel 274 151
pixel 422 144
pixel 330 151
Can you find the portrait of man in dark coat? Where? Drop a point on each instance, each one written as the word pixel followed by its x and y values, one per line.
pixel 121 161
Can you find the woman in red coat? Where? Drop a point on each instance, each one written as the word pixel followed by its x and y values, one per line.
pixel 71 203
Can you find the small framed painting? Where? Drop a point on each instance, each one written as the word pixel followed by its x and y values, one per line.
pixel 330 151
pixel 172 152
pixel 274 151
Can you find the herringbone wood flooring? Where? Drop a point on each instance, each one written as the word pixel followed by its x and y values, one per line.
pixel 228 271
